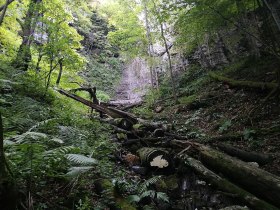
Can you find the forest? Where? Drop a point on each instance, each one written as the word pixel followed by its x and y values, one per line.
pixel 139 104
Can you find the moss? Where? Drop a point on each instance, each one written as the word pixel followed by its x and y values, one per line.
pixel 186 100
pixel 243 84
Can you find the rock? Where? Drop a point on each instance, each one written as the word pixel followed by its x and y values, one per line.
pixel 159 109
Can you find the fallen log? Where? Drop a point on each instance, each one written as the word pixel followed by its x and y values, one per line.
pixel 243 84
pixel 244 155
pixel 227 186
pixel 255 180
pixel 154 157
pixel 114 113
pixel 143 140
pixel 131 106
pixel 116 128
pixel 178 137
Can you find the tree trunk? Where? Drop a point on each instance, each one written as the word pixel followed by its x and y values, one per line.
pixel 8 2
pixel 244 155
pixel 60 72
pixel 273 11
pixel 24 57
pixel 3 169
pixel 225 185
pixel 256 181
pixel 148 35
pixel 4 10
pixel 245 24
pixel 154 157
pixel 244 84
pixel 169 63
pixel 115 113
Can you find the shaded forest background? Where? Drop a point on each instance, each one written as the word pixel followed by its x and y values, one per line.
pixel 211 70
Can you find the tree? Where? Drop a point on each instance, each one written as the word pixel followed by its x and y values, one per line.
pixel 129 33
pixel 24 56
pixel 61 40
pixel 161 18
pixel 149 38
pixel 3 9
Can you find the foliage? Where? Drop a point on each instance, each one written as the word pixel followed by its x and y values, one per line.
pixel 129 33
pixel 225 126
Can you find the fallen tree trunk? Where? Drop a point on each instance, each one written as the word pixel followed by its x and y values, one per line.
pixel 114 113
pixel 154 157
pixel 143 140
pixel 257 181
pixel 116 128
pixel 243 84
pixel 225 185
pixel 244 155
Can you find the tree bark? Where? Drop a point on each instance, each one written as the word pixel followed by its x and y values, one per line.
pixel 60 72
pixel 150 43
pixel 3 169
pixel 274 13
pixel 256 181
pixel 244 155
pixel 227 186
pixel 245 24
pixel 169 63
pixel 24 57
pixel 115 113
pixel 154 157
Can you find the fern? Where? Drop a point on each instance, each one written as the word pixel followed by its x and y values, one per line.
pixel 61 151
pixel 40 124
pixel 76 171
pixel 81 159
pixel 144 186
pixel 26 137
pixel 148 193
pixel 162 196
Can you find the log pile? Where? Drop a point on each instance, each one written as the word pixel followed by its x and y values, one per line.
pixel 223 166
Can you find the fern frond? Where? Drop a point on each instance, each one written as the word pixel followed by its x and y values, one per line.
pixel 57 140
pixel 81 159
pixel 61 151
pixel 76 171
pixel 29 135
pixel 40 124
pixel 162 196
pixel 144 186
pixel 148 193
pixel 8 143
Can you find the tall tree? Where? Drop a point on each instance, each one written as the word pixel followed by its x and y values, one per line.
pixel 23 57
pixel 160 19
pixel 149 38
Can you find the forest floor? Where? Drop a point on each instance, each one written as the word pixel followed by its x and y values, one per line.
pixel 212 112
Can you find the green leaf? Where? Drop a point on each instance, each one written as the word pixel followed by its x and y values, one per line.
pixel 81 159
pixel 76 171
pixel 133 199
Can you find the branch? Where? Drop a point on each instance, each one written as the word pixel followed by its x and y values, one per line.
pixel 8 3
